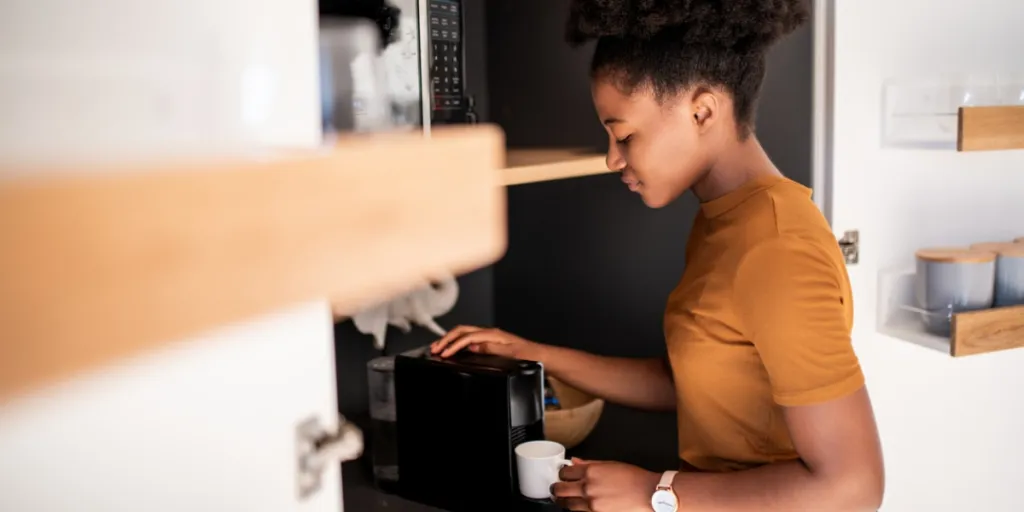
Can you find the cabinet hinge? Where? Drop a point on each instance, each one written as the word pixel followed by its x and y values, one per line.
pixel 850 245
pixel 316 448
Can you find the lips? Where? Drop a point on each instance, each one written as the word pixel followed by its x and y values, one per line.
pixel 631 182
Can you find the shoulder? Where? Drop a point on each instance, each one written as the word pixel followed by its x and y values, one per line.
pixel 795 212
pixel 788 266
pixel 782 209
pixel 794 263
pixel 786 229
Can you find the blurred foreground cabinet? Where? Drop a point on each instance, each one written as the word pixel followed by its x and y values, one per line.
pixel 166 268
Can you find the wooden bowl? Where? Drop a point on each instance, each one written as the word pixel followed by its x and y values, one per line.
pixel 571 424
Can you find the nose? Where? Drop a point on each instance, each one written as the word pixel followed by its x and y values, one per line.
pixel 614 160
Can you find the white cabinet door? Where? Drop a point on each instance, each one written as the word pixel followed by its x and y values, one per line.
pixel 208 424
pixel 951 428
pixel 130 78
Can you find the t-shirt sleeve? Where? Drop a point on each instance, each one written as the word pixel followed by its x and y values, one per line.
pixel 791 307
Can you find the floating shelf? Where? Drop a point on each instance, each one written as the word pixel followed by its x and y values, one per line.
pixel 990 128
pixel 100 264
pixel 535 165
pixel 976 332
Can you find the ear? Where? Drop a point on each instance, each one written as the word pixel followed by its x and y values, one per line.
pixel 705 109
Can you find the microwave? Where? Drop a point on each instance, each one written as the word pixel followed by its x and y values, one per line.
pixel 393 64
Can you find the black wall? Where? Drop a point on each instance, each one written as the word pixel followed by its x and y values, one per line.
pixel 588 265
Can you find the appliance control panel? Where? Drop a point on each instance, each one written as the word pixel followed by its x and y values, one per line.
pixel 447 69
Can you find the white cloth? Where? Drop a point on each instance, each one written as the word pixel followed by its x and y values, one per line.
pixel 419 307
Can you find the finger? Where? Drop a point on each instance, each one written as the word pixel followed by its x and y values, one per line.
pixel 572 473
pixel 454 348
pixel 573 489
pixel 583 462
pixel 451 336
pixel 473 338
pixel 573 504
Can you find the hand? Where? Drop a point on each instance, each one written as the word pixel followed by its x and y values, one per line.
pixel 605 487
pixel 485 341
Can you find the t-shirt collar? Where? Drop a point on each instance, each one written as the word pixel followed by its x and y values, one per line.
pixel 734 198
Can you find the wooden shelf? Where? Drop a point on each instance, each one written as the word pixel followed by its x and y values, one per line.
pixel 990 330
pixel 990 128
pixel 535 165
pixel 100 264
pixel 976 332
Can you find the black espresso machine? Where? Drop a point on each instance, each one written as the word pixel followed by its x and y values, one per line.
pixel 457 422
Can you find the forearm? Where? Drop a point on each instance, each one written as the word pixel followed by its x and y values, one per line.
pixel 632 382
pixel 784 486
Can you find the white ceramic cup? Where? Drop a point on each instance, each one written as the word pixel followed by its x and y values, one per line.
pixel 538 463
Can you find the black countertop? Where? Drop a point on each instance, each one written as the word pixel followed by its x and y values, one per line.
pixel 361 496
pixel 647 440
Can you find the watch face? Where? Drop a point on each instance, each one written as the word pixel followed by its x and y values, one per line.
pixel 664 501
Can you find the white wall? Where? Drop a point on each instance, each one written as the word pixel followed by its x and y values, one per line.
pixel 207 424
pixel 952 430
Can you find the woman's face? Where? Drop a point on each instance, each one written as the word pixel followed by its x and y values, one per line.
pixel 661 148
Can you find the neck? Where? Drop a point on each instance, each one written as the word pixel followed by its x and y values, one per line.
pixel 743 162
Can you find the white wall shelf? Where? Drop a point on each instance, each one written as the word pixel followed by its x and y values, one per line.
pixel 927 112
pixel 973 333
pixel 895 290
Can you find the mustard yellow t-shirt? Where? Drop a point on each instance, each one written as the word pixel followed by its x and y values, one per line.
pixel 761 319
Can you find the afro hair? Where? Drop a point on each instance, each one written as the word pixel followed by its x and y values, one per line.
pixel 672 46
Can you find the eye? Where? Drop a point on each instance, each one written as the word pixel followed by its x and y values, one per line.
pixel 624 140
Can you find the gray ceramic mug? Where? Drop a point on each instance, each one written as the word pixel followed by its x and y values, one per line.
pixel 1009 272
pixel 1010 276
pixel 951 281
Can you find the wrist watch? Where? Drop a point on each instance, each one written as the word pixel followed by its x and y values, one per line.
pixel 664 498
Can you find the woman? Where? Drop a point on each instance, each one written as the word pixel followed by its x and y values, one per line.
pixel 772 409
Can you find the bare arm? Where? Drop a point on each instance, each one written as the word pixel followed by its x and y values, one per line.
pixel 638 383
pixel 840 467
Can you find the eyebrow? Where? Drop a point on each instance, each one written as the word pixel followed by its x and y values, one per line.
pixel 612 120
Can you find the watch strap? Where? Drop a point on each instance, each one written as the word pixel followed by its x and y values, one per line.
pixel 666 480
